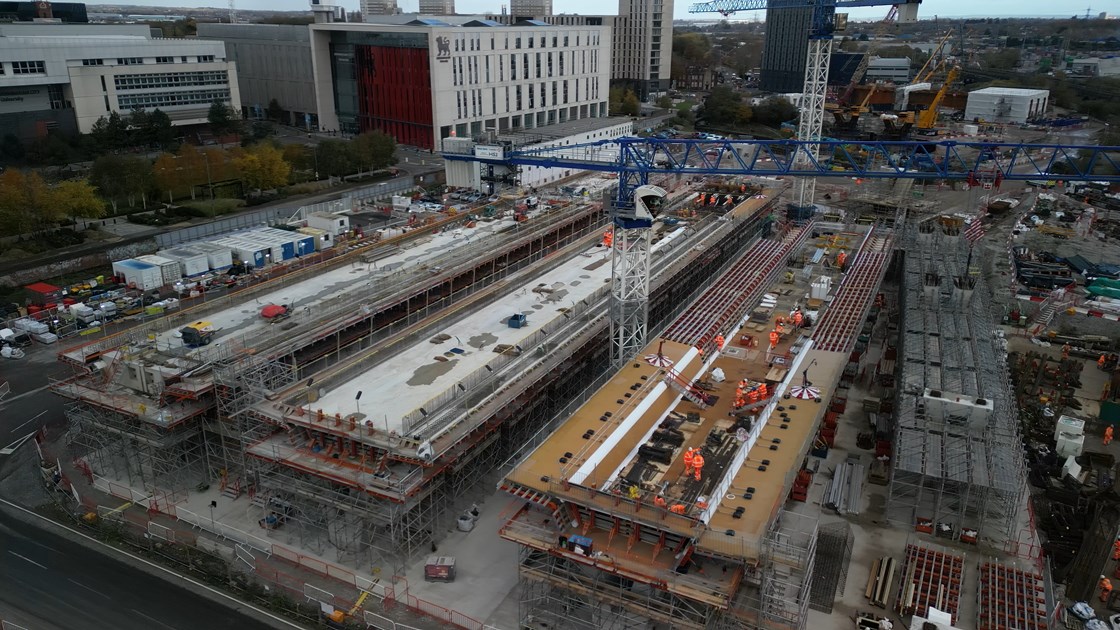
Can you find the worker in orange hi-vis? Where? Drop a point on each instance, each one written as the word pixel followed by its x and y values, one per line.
pixel 762 391
pixel 775 337
pixel 1100 362
pixel 698 463
pixel 719 342
pixel 1107 435
pixel 1106 588
pixel 841 258
pixel 798 318
pixel 1116 550
pixel 677 508
pixel 689 460
pixel 660 502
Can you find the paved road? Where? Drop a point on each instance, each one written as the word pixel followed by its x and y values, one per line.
pixel 53 583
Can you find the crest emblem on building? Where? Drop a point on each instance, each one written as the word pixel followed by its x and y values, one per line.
pixel 443 48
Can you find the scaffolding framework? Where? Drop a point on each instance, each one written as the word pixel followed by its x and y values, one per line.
pixel 948 467
pixel 124 447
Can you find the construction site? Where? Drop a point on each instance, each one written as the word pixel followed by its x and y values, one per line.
pixel 710 394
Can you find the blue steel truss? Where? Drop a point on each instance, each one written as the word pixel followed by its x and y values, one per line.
pixel 635 159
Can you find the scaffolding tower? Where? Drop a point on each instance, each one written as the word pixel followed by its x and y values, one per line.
pixel 957 454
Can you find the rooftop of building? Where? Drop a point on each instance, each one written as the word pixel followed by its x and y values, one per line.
pixel 393 395
pixel 424 22
pixel 521 137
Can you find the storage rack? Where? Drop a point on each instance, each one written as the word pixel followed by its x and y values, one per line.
pixel 1010 599
pixel 930 578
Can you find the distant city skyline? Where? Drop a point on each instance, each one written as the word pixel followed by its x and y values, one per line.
pixel 930 8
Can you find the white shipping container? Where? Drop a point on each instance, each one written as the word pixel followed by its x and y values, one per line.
pixel 141 275
pixel 218 257
pixel 333 224
pixel 169 269
pixel 191 261
pixel 323 240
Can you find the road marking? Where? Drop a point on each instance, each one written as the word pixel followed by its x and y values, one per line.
pixel 28 422
pixel 26 559
pixel 152 619
pixel 11 448
pixel 26 394
pixel 90 589
pixel 178 577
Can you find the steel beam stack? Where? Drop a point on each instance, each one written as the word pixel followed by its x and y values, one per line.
pixel 930 579
pixel 1010 598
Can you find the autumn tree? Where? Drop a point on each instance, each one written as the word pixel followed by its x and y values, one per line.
pixel 77 198
pixel 623 102
pixel 28 204
pixel 263 167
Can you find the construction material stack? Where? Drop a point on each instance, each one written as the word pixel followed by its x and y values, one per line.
pixel 1010 598
pixel 930 579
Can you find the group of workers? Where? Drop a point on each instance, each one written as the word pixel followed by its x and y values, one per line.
pixel 750 392
pixel 693 463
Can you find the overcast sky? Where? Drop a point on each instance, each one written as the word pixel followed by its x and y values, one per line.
pixel 930 8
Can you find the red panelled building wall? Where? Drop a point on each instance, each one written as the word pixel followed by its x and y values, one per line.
pixel 395 93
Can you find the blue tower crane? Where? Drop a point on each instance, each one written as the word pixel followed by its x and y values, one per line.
pixel 636 203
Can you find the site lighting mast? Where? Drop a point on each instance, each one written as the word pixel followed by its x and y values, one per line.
pixel 825 22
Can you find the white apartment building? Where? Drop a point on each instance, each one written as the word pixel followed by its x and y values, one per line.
pixel 530 8
pixel 67 76
pixel 437 7
pixel 428 78
pixel 641 39
pixel 378 7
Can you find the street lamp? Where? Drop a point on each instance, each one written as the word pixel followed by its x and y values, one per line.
pixel 357 406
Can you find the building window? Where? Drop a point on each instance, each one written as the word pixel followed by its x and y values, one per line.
pixel 54 94
pixel 172 99
pixel 205 58
pixel 171 79
pixel 93 62
pixel 165 60
pixel 29 67
pixel 129 61
pixel 517 43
